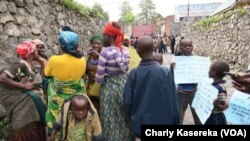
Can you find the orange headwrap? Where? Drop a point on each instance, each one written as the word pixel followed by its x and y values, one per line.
pixel 115 32
pixel 25 48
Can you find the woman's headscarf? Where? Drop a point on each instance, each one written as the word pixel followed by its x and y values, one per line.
pixel 96 37
pixel 69 41
pixel 115 32
pixel 38 42
pixel 25 48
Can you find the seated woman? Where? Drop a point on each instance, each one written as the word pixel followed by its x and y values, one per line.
pixel 66 72
pixel 22 111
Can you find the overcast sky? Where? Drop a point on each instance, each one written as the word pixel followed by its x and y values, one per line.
pixel 164 7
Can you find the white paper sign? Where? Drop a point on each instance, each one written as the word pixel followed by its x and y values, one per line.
pixel 238 111
pixel 191 69
pixel 203 100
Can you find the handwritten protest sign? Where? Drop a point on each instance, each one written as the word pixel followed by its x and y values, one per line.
pixel 238 111
pixel 191 69
pixel 203 100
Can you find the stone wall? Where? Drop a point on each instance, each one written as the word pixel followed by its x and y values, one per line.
pixel 227 40
pixel 29 19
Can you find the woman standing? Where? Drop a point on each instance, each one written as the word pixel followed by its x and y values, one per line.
pixel 66 72
pixel 23 112
pixel 111 74
pixel 92 87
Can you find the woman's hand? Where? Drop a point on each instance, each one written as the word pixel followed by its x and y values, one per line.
pixel 242 79
pixel 42 60
pixel 238 86
pixel 28 86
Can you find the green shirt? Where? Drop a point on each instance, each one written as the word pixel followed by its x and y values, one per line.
pixel 76 130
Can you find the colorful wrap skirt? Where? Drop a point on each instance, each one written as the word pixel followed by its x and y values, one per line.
pixel 112 113
pixel 57 92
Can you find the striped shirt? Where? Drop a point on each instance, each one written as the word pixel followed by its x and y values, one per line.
pixel 112 61
pixel 222 94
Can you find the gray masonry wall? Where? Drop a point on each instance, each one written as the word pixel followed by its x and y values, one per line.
pixel 227 40
pixel 21 20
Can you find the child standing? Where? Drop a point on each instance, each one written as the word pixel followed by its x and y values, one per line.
pixel 186 92
pixel 150 93
pixel 78 121
pixel 216 72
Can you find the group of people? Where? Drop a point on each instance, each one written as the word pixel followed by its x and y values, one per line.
pixel 106 95
pixel 163 42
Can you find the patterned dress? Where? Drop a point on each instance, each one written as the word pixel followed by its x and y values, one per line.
pixel 22 112
pixel 58 91
pixel 112 74
pixel 65 72
pixel 114 122
pixel 91 86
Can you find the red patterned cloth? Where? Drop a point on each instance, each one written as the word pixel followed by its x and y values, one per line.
pixel 25 48
pixel 115 32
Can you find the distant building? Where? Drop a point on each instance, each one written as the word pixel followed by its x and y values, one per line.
pixel 194 11
pixel 167 24
pixel 229 5
pixel 142 30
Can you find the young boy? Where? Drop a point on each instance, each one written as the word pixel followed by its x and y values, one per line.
pixel 150 93
pixel 216 72
pixel 77 121
pixel 186 92
pixel 158 57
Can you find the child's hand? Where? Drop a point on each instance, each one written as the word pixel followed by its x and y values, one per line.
pixel 53 135
pixel 218 104
pixel 172 65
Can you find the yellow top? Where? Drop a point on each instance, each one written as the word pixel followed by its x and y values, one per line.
pixel 134 58
pixel 65 67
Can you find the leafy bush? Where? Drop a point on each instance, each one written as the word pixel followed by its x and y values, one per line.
pixel 97 11
pixel 85 11
pixel 209 21
pixel 241 11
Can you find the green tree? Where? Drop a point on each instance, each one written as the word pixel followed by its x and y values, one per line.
pixel 127 15
pixel 147 11
pixel 97 11
pixel 157 21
